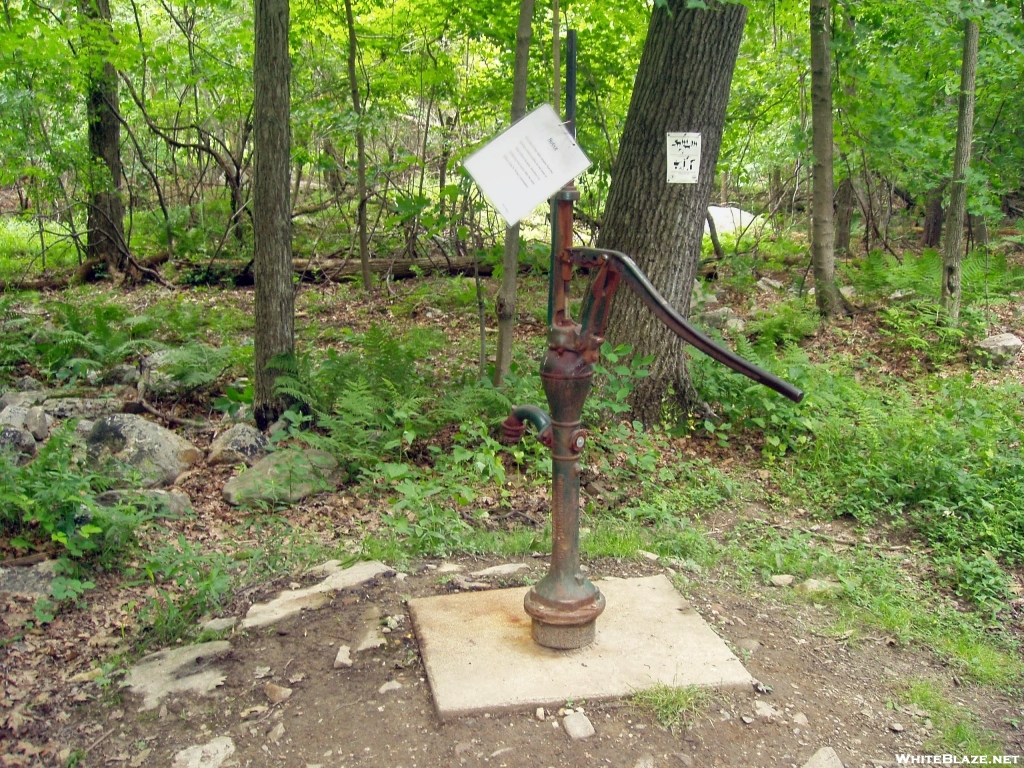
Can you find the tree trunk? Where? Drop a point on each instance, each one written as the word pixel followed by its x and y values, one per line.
pixel 961 162
pixel 105 222
pixel 823 258
pixel 844 216
pixel 353 82
pixel 932 234
pixel 505 303
pixel 272 225
pixel 682 85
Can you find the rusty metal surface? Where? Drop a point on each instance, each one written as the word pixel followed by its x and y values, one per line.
pixel 564 605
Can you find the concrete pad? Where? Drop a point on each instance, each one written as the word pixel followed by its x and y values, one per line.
pixel 479 655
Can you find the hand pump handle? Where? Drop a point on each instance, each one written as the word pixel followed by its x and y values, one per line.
pixel 614 266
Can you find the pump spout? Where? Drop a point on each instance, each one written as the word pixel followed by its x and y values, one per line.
pixel 615 266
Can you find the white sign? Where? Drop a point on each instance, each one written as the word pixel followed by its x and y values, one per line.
pixel 683 158
pixel 526 164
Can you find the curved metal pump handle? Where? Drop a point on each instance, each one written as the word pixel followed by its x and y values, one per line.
pixel 614 266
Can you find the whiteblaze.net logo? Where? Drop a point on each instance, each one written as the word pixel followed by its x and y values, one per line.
pixel 959 760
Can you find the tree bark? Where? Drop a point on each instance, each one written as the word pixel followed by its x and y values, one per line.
pixel 505 303
pixel 823 258
pixel 272 225
pixel 932 234
pixel 105 221
pixel 353 82
pixel 682 84
pixel 961 163
pixel 844 216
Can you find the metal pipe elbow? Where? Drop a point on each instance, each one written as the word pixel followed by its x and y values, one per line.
pixel 514 427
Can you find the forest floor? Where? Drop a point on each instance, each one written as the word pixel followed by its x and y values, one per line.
pixel 831 676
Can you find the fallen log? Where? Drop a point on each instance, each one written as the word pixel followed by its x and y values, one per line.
pixel 336 270
pixel 86 272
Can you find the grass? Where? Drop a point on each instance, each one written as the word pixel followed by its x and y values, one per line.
pixel 956 730
pixel 672 706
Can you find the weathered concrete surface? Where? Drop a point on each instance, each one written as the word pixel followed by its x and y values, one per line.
pixel 479 655
pixel 291 601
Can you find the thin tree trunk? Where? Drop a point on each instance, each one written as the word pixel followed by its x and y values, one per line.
pixel 105 222
pixel 844 216
pixel 953 252
pixel 272 225
pixel 827 296
pixel 353 82
pixel 931 237
pixel 682 84
pixel 505 303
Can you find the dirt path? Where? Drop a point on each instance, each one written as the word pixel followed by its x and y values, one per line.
pixel 823 692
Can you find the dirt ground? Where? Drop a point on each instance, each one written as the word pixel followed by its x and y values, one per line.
pixel 826 693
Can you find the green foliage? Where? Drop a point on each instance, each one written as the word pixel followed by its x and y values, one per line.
pixel 957 729
pixel 613 381
pixel 53 498
pixel 672 706
pixel 984 275
pixel 978 579
pixel 788 322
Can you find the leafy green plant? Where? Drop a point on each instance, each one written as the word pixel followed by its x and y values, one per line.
pixel 978 579
pixel 614 379
pixel 786 323
pixel 672 706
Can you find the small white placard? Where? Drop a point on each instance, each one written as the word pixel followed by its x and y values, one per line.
pixel 526 164
pixel 683 158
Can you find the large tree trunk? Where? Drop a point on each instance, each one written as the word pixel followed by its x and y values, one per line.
pixel 505 304
pixel 272 224
pixel 353 83
pixel 105 223
pixel 844 216
pixel 823 259
pixel 932 234
pixel 682 85
pixel 961 162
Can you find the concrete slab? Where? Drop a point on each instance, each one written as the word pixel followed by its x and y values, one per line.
pixel 479 656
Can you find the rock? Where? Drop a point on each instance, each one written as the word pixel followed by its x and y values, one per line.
pixel 241 444
pixel 177 670
pixel 723 319
pixel 29 583
pixel 276 732
pixel 141 759
pixel 391 685
pixel 728 219
pixel 277 693
pixel 38 422
pixel 847 291
pixel 701 297
pixel 290 602
pixel 896 728
pixel 450 568
pixel 768 285
pixel 647 761
pixel 158 454
pixel 154 380
pixel 578 726
pixel 763 709
pixel 683 759
pixel 173 503
pixel 996 351
pixel 83 428
pixel 782 580
pixel 64 408
pixel 747 719
pixel 14 416
pixel 652 556
pixel 818 587
pixel 901 294
pixel 825 757
pixel 505 569
pixel 22 399
pixel 28 384
pixel 344 658
pixel 748 644
pixel 539 714
pixel 210 755
pixel 19 441
pixel 282 477
pixel 219 625
pixel 800 718
pixel 122 373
